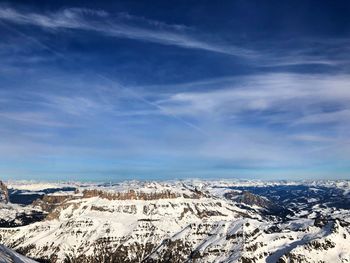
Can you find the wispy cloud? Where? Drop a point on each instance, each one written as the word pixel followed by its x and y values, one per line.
pixel 122 26
pixel 325 52
pixel 32 118
pixel 291 107
pixel 102 132
pixel 76 105
pixel 337 116
pixel 311 138
pixel 270 95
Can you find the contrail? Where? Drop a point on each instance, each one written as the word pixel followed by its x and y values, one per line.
pixel 104 77
pixel 155 105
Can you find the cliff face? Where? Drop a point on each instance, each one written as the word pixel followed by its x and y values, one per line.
pixel 4 195
pixel 130 195
pixel 49 202
pixel 135 195
pixel 249 199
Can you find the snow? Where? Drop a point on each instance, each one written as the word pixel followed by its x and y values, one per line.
pixel 210 224
pixel 34 186
pixel 8 256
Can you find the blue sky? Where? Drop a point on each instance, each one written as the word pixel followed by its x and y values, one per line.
pixel 116 90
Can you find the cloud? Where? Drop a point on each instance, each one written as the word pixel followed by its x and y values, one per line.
pixel 122 26
pixel 32 118
pixel 311 138
pixel 76 105
pixel 279 54
pixel 225 110
pixel 302 98
pixel 339 116
pixel 269 119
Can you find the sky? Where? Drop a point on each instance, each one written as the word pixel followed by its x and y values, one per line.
pixel 116 90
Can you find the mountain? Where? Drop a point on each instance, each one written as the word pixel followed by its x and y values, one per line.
pixel 12 215
pixel 193 221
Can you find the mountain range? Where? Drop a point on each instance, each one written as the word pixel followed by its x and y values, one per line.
pixel 177 221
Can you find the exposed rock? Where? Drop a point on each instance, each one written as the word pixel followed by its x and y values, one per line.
pixel 320 221
pixel 248 198
pixel 129 195
pixel 49 202
pixel 4 195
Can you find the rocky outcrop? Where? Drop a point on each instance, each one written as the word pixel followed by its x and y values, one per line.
pixel 4 195
pixel 49 202
pixel 248 198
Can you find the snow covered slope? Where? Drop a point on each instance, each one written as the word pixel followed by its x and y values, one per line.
pixel 129 226
pixel 9 256
pixel 194 221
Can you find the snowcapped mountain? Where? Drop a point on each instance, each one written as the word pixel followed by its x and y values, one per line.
pixel 12 215
pixel 193 221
